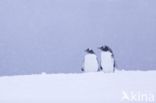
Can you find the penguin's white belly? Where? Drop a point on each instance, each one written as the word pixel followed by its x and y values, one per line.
pixel 91 64
pixel 107 63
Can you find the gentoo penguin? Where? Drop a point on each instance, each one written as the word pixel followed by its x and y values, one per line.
pixel 107 59
pixel 90 61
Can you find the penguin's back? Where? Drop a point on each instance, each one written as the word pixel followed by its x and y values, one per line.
pixel 91 63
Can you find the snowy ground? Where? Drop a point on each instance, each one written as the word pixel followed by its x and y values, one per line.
pixel 119 87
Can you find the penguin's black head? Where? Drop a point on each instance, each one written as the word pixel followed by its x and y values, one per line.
pixel 89 51
pixel 105 48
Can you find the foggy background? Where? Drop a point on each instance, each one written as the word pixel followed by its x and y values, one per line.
pixel 51 35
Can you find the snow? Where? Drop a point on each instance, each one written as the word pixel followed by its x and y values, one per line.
pixel 97 87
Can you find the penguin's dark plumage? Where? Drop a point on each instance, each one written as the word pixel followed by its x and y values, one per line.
pixel 90 51
pixel 106 48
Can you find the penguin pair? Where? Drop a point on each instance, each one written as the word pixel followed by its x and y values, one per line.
pixel 107 63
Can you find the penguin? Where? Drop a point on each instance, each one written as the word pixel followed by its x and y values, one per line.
pixel 90 62
pixel 107 63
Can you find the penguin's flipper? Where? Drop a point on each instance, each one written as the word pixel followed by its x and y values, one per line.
pixel 100 68
pixel 115 64
pixel 82 69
